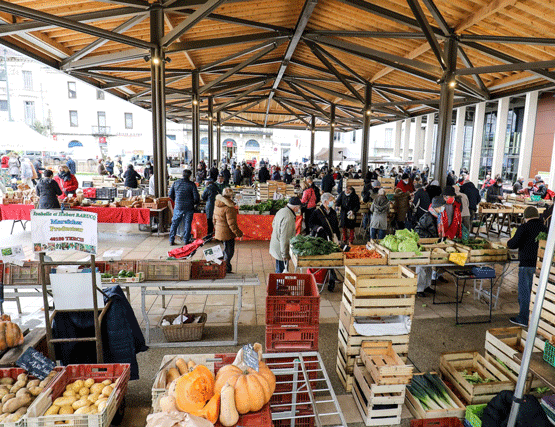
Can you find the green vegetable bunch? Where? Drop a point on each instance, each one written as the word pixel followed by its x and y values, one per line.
pixel 431 392
pixel 247 208
pixel 402 241
pixel 308 245
pixel 264 206
pixel 541 236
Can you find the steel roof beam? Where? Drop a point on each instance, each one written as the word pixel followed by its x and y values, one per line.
pixel 405 88
pixel 427 30
pixel 315 96
pixel 298 116
pixel 308 99
pixel 302 22
pixel 235 55
pixel 242 110
pixel 110 58
pixel 233 20
pixel 384 95
pixel 222 41
pixel 142 4
pixel 369 34
pixel 440 20
pixel 324 90
pixel 36 15
pixel 17 48
pixel 342 65
pixel 319 69
pixel 507 39
pixel 466 61
pixel 237 84
pixel 224 68
pixel 241 95
pixel 503 68
pixel 301 107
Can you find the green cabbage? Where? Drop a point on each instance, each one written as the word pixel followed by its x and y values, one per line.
pixel 406 234
pixel 391 243
pixel 409 245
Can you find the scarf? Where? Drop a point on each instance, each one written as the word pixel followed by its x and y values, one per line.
pixel 65 176
pixel 451 229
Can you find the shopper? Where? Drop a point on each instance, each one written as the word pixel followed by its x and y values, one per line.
pixel 71 165
pixel 237 176
pixel 328 182
pixel 214 171
pixel 379 211
pixel 263 173
pixel 27 172
pixel 473 195
pixel 494 193
pixel 283 229
pixel 109 165
pixel 209 196
pixel 227 175
pixel 201 173
pixel 401 205
pixel 308 201
pixel 276 175
pixel 465 210
pixel 518 185
pixel 48 191
pixel 287 176
pixel 37 164
pixel 147 173
pixel 525 241
pixel 406 184
pixel 433 189
pixel 184 194
pixel 541 189
pixel 13 166
pixel 420 203
pixel 131 177
pixel 349 203
pixel 225 219
pixel 66 181
pixel 101 168
pixel 450 220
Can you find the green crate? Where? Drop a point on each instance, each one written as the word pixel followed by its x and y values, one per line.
pixel 474 414
pixel 549 353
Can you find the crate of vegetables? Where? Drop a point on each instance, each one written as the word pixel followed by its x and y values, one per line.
pixel 364 255
pixel 481 250
pixel 308 251
pixel 403 248
pixel 473 376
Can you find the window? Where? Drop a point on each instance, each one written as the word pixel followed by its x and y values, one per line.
pixel 101 119
pixel 486 157
pixel 28 80
pixel 128 120
pixel 511 152
pixel 29 112
pixel 71 90
pixel 99 94
pixel 3 105
pixel 388 139
pixel 73 119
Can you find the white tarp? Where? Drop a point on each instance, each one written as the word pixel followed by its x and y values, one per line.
pixel 17 136
pixel 340 154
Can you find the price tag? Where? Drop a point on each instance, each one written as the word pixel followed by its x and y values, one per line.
pixel 35 363
pixel 250 357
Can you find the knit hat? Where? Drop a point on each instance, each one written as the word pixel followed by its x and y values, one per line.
pixel 530 184
pixel 531 212
pixel 435 182
pixel 438 202
pixel 294 201
pixel 448 191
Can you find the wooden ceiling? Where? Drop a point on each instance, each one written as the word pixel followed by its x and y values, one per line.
pixel 283 62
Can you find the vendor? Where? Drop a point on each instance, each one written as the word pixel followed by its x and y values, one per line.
pixel 525 241
pixel 283 230
pixel 67 182
pixel 48 191
pixel 494 193
pixel 131 177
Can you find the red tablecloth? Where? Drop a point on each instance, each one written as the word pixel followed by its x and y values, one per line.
pixel 254 227
pixel 105 215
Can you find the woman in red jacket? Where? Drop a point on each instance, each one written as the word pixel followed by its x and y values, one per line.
pixel 67 182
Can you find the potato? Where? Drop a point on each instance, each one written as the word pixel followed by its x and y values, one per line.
pixel 17 415
pixel 14 404
pixel 7 381
pixel 93 410
pixel 171 375
pixel 3 417
pixel 65 401
pixel 102 405
pixel 84 391
pixel 33 383
pixel 53 410
pixel 106 382
pixel 65 410
pixel 80 403
pixel 21 392
pixel 7 397
pixel 93 397
pixel 83 410
pixel 107 391
pixel 17 386
pixel 77 385
pixel 89 383
pixel 3 392
pixel 97 388
pixel 69 393
pixel 35 391
pixel 23 377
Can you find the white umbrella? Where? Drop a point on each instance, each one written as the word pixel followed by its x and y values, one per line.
pixel 17 136
pixel 340 154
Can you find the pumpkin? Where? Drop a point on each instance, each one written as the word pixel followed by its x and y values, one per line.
pixel 252 389
pixel 10 335
pixel 194 389
pixel 228 412
pixel 211 410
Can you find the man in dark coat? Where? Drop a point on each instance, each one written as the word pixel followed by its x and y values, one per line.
pixel 349 202
pixel 237 177
pixel 263 173
pixel 214 171
pixel 434 189
pixel 328 182
pixel 473 195
pixel 131 177
pixel 71 165
pixel 420 203
pixel 48 191
pixel 209 196
pixel 227 175
pixel 185 195
pixel 494 193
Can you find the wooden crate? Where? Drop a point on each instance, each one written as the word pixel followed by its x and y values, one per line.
pixel 165 270
pixel 404 258
pixel 379 405
pixel 546 326
pixel 452 364
pixel 331 260
pixel 541 253
pixel 391 305
pixel 345 378
pixel 366 261
pixel 384 365
pixel 493 252
pixel 418 411
pixel 380 281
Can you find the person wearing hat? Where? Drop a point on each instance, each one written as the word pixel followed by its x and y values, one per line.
pixel 494 193
pixel 433 189
pixel 227 230
pixel 541 190
pixel 406 184
pixel 450 220
pixel 525 241
pixel 518 185
pixel 221 182
pixel 283 229
pixel 428 227
pixel 420 203
pixel 349 203
pixel 184 194
pixel 209 196
pixel 401 205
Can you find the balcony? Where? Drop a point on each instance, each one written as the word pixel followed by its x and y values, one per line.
pixel 101 130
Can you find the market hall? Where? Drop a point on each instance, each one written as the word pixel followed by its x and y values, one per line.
pixel 322 66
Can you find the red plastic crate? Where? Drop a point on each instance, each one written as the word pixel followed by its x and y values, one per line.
pixel 89 193
pixel 304 418
pixel 262 418
pixel 292 300
pixel 437 422
pixel 281 339
pixel 202 270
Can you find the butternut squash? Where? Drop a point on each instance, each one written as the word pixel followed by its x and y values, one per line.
pixel 228 412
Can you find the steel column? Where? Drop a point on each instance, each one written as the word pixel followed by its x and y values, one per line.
pixel 219 138
pixel 196 121
pixel 158 98
pixel 332 135
pixel 445 113
pixel 477 138
pixel 366 128
pixel 210 131
pixel 528 130
pixel 312 138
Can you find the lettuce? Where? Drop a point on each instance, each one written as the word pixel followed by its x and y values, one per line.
pixel 406 235
pixel 409 245
pixel 391 243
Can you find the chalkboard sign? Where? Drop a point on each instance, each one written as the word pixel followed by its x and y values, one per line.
pixel 35 363
pixel 250 357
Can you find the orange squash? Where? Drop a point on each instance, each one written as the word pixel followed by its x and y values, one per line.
pixel 194 389
pixel 211 410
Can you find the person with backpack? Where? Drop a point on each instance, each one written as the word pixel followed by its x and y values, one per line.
pixel 308 201
pixel 311 184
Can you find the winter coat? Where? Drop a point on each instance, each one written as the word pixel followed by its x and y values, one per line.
pixel 327 183
pixel 69 185
pixel 110 168
pixel 209 196
pixel 283 229
pixel 493 192
pixel 48 191
pixel 473 195
pixel 4 162
pixel 406 187
pixel 131 178
pixel 263 175
pixel 276 176
pixel 26 170
pixel 71 166
pixel 287 178
pixel 348 203
pixel 37 164
pixel 237 176
pixel 101 169
pixel 201 175
pixel 401 204
pixel 13 166
pixel 465 210
pixel 225 219
pixel 309 198
pixel 321 218
pixel 421 203
pixel 450 181
pixel 214 173
pixel 541 191
pixel 530 414
pixel 367 193
pixel 427 226
pixel 517 186
pixel 379 210
pixel 433 191
pixel 185 195
pixel 227 175
pixel 525 241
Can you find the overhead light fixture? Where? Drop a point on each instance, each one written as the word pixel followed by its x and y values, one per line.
pixel 210 118
pixel 156 61
pixel 195 102
pixel 332 124
pixel 368 112
pixel 452 83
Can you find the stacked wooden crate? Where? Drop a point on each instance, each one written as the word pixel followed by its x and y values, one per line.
pixel 372 292
pixel 388 184
pixel 357 184
pixel 546 327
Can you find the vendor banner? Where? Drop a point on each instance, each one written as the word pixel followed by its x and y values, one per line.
pixel 62 230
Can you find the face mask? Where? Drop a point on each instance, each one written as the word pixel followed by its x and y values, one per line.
pixel 347 194
pixel 330 205
pixel 450 200
pixel 406 181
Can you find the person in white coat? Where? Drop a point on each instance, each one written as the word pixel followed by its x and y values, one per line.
pixel 27 172
pixel 283 230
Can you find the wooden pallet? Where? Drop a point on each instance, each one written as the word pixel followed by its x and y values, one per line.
pixel 384 365
pixel 331 260
pixel 418 411
pixel 404 258
pixel 379 405
pixel 451 366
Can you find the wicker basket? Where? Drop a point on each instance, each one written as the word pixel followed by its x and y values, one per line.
pixel 185 332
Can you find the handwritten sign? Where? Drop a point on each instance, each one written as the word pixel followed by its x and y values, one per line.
pixel 35 363
pixel 250 357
